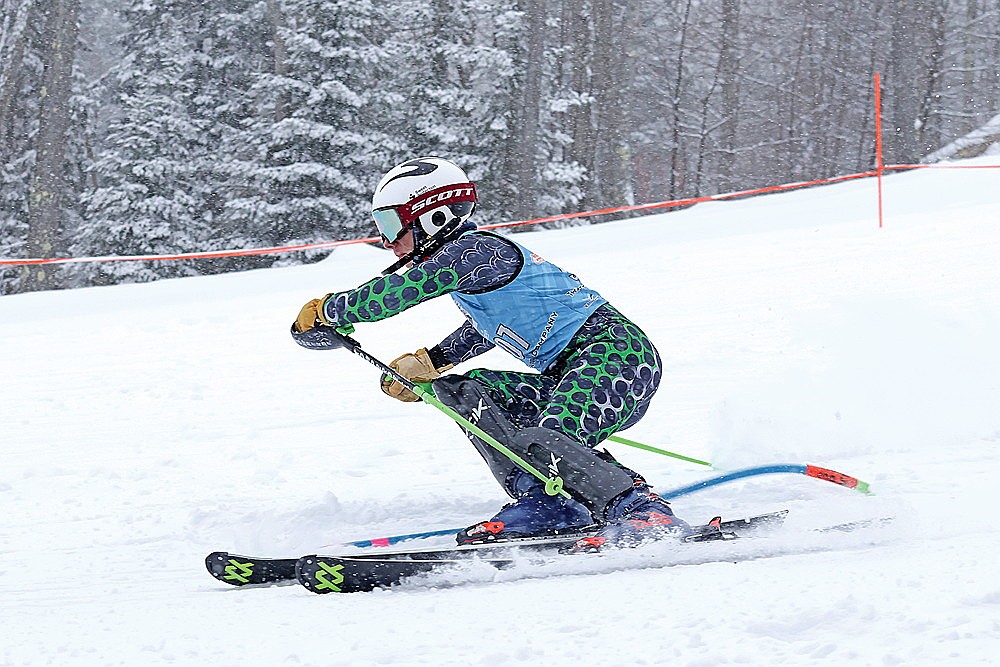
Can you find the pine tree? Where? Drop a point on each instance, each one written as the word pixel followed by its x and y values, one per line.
pixel 313 152
pixel 451 95
pixel 159 189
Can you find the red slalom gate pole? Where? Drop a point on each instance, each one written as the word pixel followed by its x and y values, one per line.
pixel 878 143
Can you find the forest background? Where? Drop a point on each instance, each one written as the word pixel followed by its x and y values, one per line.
pixel 166 126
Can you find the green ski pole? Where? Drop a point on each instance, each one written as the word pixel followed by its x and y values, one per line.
pixel 657 450
pixel 553 485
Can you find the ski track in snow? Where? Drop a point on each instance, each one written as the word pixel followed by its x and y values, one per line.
pixel 146 425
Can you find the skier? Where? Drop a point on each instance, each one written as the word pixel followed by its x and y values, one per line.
pixel 595 371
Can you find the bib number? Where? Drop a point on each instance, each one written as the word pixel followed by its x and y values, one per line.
pixel 508 339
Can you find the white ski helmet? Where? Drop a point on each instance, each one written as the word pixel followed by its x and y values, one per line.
pixel 428 195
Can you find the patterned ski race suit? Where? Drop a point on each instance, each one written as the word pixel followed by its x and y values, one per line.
pixel 597 371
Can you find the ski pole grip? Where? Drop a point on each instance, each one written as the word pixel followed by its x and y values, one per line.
pixel 349 343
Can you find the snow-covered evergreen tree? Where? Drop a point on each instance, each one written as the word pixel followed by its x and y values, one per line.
pixel 312 154
pixel 478 83
pixel 158 184
pixel 451 93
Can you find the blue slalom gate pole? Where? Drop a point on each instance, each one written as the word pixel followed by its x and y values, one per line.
pixel 816 472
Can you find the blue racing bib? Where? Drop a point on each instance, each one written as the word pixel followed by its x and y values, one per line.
pixel 534 316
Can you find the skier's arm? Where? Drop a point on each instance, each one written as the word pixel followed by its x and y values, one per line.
pixel 425 365
pixel 390 295
pixel 461 345
pixel 473 263
pixel 376 299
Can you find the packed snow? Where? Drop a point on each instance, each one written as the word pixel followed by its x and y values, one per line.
pixel 144 426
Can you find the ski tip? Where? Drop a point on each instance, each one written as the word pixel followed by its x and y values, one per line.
pixel 231 569
pixel 216 563
pixel 237 570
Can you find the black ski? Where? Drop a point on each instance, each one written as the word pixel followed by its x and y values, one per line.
pixel 377 568
pixel 245 570
pixel 368 571
pixel 238 570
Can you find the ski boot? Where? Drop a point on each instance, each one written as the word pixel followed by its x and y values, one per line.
pixel 639 516
pixel 533 514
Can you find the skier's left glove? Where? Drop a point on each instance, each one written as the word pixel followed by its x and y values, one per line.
pixel 416 366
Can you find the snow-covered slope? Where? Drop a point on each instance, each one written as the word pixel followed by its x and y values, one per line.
pixel 146 425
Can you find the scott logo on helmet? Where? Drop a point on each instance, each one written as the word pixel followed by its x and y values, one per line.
pixel 440 197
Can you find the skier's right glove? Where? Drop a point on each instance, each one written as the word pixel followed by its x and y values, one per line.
pixel 416 366
pixel 312 314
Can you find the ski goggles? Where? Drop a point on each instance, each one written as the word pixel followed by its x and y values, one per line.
pixel 390 225
pixel 394 221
